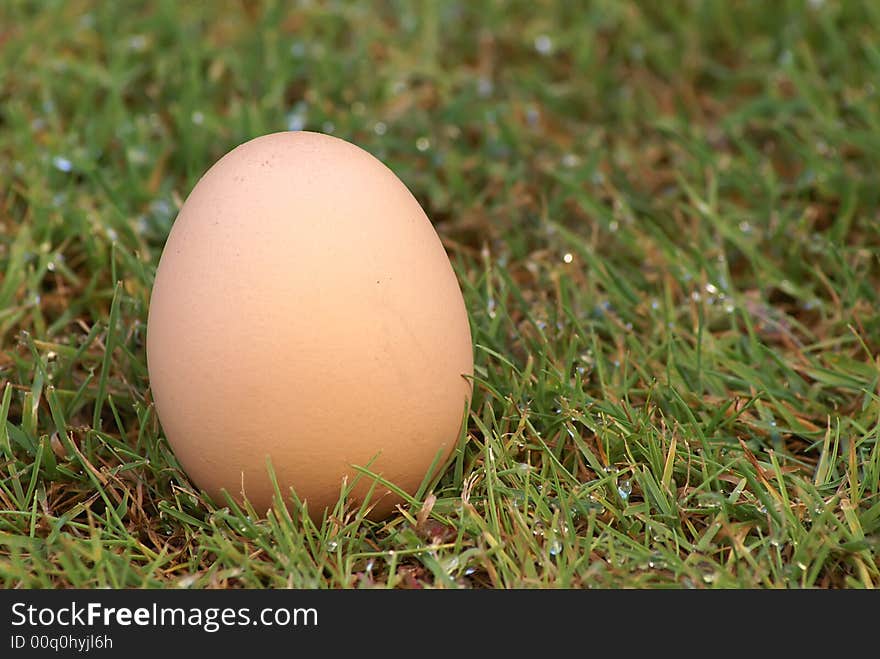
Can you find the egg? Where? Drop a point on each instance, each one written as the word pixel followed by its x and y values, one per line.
pixel 305 315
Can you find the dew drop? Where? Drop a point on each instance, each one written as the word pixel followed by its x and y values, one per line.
pixel 137 43
pixel 296 118
pixel 544 44
pixel 62 164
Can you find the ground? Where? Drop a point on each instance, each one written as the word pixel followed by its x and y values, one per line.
pixel 665 219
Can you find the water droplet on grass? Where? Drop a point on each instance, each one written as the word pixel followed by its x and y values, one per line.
pixel 297 118
pixel 332 545
pixel 423 144
pixel 380 128
pixel 62 164
pixel 161 208
pixel 137 43
pixel 624 489
pixel 544 44
pixel 567 257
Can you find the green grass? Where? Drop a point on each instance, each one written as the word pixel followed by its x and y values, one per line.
pixel 665 218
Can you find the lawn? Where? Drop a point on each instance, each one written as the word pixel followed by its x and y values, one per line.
pixel 665 219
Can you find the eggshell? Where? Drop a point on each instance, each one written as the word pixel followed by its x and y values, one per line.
pixel 305 311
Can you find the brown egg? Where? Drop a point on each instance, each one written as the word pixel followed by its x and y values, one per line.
pixel 305 312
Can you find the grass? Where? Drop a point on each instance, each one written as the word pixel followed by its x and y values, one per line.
pixel 665 219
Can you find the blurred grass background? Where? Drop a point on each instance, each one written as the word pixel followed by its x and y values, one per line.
pixel 665 220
